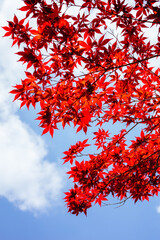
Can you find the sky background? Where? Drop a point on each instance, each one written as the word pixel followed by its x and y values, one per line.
pixel 33 179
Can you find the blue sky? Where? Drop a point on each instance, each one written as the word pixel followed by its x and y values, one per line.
pixel 33 179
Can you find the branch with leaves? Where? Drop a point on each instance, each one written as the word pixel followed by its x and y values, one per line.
pixel 104 41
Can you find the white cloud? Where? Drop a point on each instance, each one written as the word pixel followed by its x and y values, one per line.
pixel 27 179
pixel 158 209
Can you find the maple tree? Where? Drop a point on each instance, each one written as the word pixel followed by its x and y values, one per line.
pixel 106 40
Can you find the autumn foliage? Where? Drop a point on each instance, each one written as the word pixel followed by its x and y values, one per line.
pixel 89 63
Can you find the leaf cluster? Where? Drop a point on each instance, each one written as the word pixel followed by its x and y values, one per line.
pixel 117 84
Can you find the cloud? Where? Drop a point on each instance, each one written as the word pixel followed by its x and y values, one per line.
pixel 27 178
pixel 158 209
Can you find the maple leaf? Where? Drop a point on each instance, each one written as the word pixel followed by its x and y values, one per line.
pixel 117 84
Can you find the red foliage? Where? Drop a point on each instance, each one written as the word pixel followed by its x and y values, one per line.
pixel 117 84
